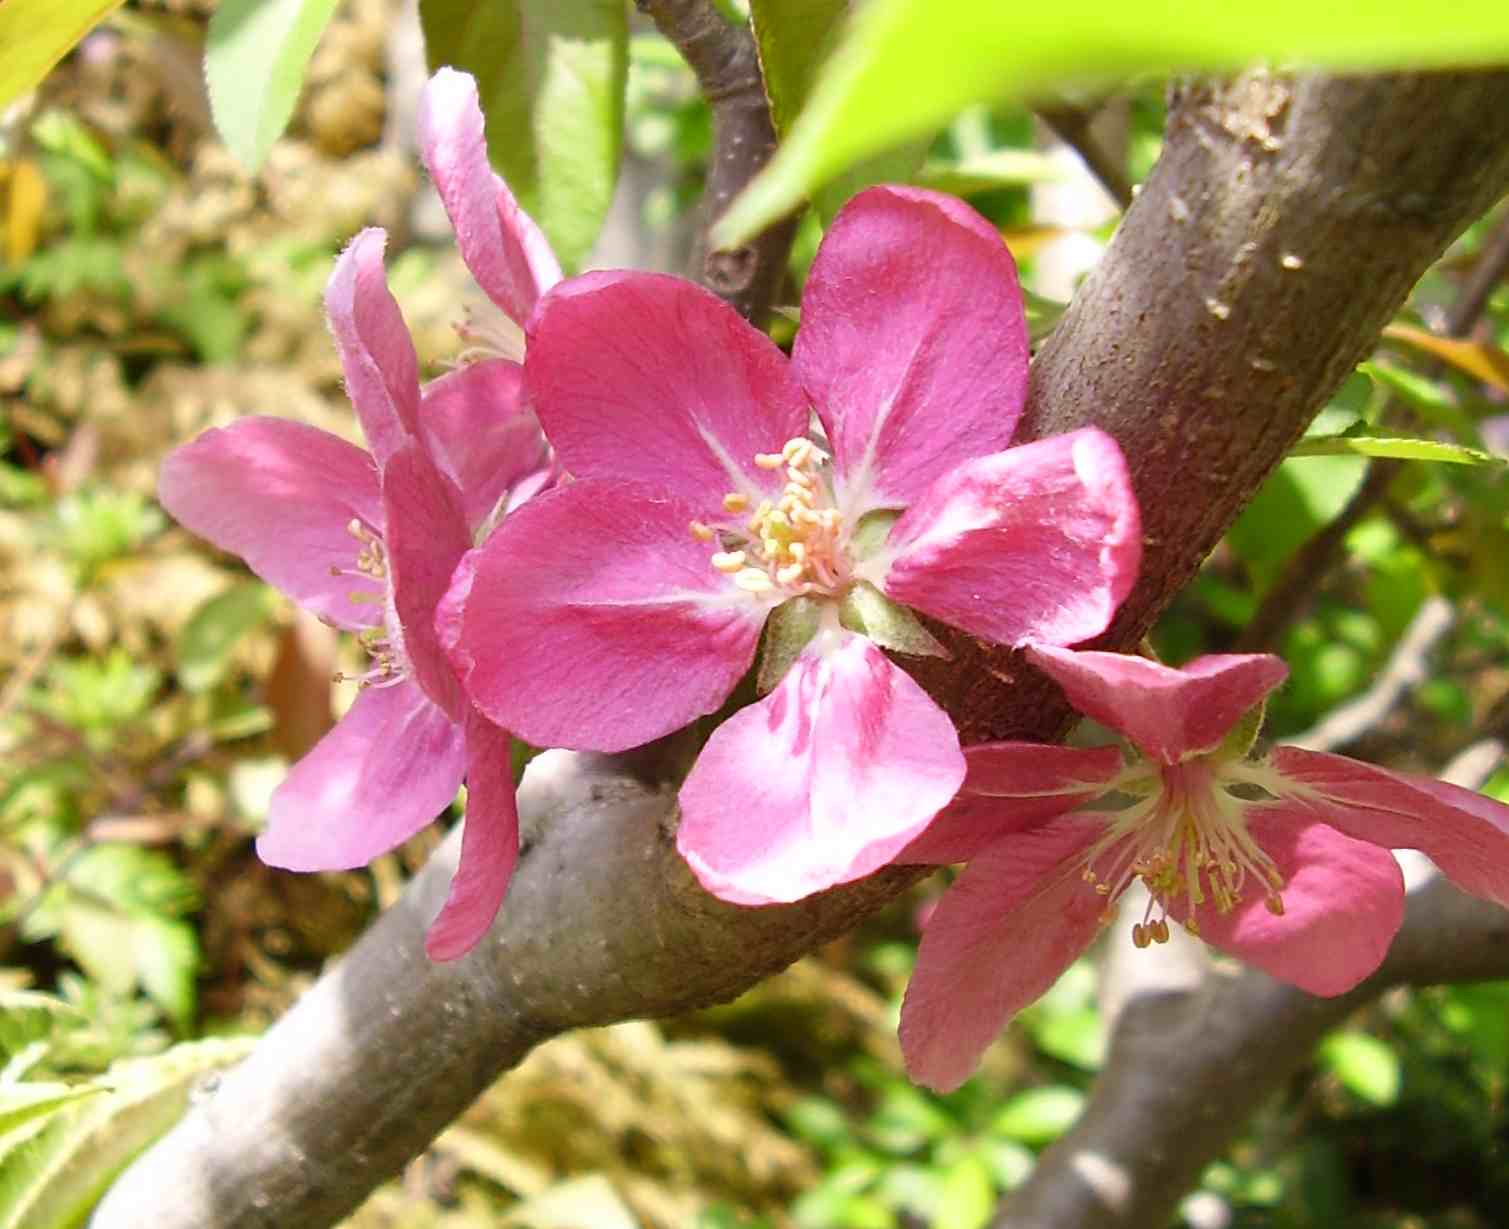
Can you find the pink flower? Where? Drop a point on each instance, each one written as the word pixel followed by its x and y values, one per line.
pixel 631 601
pixel 368 541
pixel 1283 861
pixel 508 254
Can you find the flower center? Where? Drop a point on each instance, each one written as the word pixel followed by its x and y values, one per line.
pixel 384 645
pixel 1188 841
pixel 790 546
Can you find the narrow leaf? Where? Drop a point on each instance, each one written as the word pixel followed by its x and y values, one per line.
pixel 254 60
pixel 551 74
pixel 22 1102
pixel 54 1176
pixel 1482 360
pixel 905 66
pixel 36 34
pixel 1403 449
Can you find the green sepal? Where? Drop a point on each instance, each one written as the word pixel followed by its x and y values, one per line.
pixel 1240 738
pixel 788 631
pixel 871 533
pixel 868 611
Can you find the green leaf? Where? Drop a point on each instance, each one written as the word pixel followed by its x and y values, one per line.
pixel 966 1197
pixel 206 641
pixel 1365 1066
pixel 36 34
pixel 50 1178
pixel 1039 1115
pixel 21 1103
pixel 1400 448
pixel 254 61
pixel 27 1016
pixel 795 38
pixel 551 75
pixel 905 66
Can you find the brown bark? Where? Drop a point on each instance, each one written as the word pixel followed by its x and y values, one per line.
pixel 1196 343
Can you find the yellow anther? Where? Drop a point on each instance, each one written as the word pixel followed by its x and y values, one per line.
pixel 1140 935
pixel 790 574
pixel 795 451
pixel 729 561
pixel 1160 930
pixel 797 550
pixel 769 460
pixel 752 580
pixel 701 531
pixel 1275 904
pixel 735 501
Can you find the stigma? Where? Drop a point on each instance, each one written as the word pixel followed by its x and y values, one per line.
pixel 790 546
pixel 1187 840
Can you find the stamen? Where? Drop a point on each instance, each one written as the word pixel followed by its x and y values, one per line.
pixel 752 580
pixel 729 561
pixel 701 531
pixel 769 460
pixel 735 501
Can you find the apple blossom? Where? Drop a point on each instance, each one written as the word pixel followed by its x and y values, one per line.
pixel 368 541
pixel 1283 861
pixel 706 508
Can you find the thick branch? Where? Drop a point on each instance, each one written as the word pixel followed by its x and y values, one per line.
pixel 1195 344
pixel 727 66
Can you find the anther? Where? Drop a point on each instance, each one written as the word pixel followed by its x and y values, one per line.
pixel 702 532
pixel 769 460
pixel 752 580
pixel 1140 935
pixel 729 561
pixel 735 501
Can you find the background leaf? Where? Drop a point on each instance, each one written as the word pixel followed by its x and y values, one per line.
pixel 906 66
pixel 551 74
pixel 36 34
pixel 254 61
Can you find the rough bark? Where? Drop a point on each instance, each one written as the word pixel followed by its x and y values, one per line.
pixel 1196 344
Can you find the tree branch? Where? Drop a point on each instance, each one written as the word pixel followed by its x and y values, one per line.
pixel 603 922
pixel 1188 1065
pixel 727 66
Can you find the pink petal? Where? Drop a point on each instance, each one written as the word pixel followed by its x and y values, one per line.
pixel 377 353
pixel 593 620
pixel 1166 713
pixel 821 782
pixel 481 435
pixel 1039 543
pixel 391 764
pixel 1464 833
pixel 281 495
pixel 1343 902
pixel 649 378
pixel 1010 924
pixel 506 252
pixel 489 844
pixel 1007 787
pixel 427 535
pixel 913 346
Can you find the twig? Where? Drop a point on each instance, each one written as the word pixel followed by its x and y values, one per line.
pixel 727 67
pixel 1187 1067
pixel 1311 562
pixel 1406 667
pixel 1073 126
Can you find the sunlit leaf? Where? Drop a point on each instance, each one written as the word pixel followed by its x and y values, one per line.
pixel 52 1177
pixel 906 66
pixel 206 641
pixel 36 34
pixel 1366 1066
pixel 1400 448
pixel 1481 360
pixel 254 61
pixel 551 74
pixel 22 1102
pixel 1039 1115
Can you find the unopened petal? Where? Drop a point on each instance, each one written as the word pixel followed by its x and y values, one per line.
pixel 1343 901
pixel 822 782
pixel 1009 786
pixel 427 536
pixel 593 620
pixel 489 844
pixel 1167 713
pixel 390 765
pixel 281 495
pixel 1001 935
pixel 913 344
pixel 1035 544
pixel 377 353
pixel 500 243
pixel 476 425
pixel 1464 833
pixel 649 378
